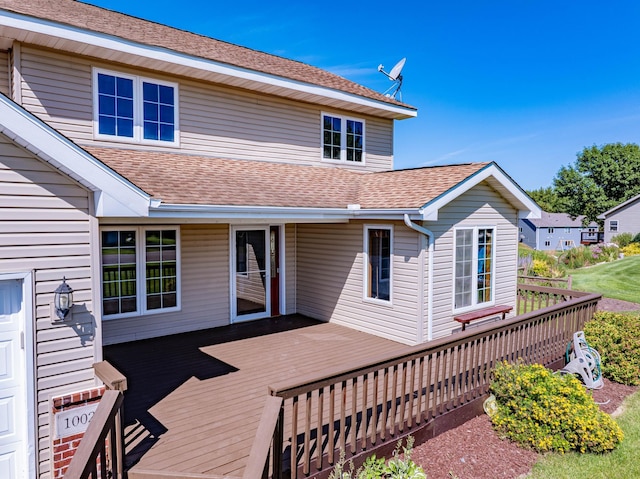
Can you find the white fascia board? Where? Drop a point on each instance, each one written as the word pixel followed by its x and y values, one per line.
pixel 111 42
pixel 113 195
pixel 526 206
pixel 271 213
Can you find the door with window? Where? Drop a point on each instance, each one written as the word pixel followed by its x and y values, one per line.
pixel 251 279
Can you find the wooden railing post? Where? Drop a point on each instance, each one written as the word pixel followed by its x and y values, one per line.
pixel 93 444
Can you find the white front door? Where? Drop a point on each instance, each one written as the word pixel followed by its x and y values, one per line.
pixel 250 274
pixel 13 378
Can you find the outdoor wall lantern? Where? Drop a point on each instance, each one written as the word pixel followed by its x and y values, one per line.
pixel 62 300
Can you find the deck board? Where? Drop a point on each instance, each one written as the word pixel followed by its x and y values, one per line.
pixel 199 396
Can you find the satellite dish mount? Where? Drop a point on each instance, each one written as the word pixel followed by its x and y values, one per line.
pixel 395 75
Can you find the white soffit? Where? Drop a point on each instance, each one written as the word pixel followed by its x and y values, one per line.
pixel 499 180
pixel 68 38
pixel 113 195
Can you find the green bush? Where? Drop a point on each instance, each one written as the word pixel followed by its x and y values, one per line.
pixel 377 468
pixel 617 338
pixel 549 412
pixel 539 263
pixel 622 240
pixel 636 238
pixel 632 249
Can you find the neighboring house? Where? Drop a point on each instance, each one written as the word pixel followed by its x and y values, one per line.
pixel 555 231
pixel 180 183
pixel 624 218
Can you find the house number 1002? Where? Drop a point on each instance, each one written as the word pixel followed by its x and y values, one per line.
pixel 74 421
pixel 77 420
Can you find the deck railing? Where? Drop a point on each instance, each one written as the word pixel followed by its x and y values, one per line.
pixel 364 407
pixel 100 455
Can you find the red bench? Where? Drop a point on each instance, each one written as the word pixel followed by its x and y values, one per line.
pixel 466 318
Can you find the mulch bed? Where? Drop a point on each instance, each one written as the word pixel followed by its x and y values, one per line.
pixel 474 451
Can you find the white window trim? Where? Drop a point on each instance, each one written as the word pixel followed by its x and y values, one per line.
pixel 365 264
pixel 141 272
pixel 137 110
pixel 474 282
pixel 343 139
pixel 611 227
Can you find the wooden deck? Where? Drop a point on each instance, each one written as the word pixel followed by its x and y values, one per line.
pixel 195 399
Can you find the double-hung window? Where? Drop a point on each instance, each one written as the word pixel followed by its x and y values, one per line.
pixel 342 139
pixel 140 270
pixel 613 226
pixel 133 108
pixel 474 265
pixel 378 246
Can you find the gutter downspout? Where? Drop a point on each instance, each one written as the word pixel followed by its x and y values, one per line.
pixel 430 235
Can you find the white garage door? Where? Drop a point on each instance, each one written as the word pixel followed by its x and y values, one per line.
pixel 13 437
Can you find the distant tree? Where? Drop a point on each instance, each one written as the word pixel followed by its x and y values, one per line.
pixel 601 178
pixel 547 198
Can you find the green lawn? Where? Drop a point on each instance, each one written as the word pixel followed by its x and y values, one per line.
pixel 621 463
pixel 619 279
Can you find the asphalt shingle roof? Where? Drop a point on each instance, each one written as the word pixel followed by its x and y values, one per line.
pixel 199 180
pixel 101 20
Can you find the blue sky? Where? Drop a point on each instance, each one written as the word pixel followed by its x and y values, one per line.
pixel 527 84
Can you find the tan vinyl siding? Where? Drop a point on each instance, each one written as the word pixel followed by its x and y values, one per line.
pixel 204 268
pixel 214 120
pixel 5 76
pixel 330 280
pixel 45 227
pixel 481 206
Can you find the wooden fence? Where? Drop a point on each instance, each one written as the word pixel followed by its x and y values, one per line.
pixel 541 281
pixel 368 406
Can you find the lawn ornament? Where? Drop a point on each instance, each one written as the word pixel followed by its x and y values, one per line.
pixel 583 361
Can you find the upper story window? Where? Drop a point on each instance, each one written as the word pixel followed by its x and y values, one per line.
pixel 550 231
pixel 342 139
pixel 473 272
pixel 133 108
pixel 613 226
pixel 140 271
pixel 378 247
pixel 567 230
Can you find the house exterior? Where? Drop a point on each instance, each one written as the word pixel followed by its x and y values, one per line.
pixel 554 231
pixel 180 183
pixel 624 218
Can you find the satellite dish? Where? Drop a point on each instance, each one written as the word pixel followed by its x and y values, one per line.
pixel 395 75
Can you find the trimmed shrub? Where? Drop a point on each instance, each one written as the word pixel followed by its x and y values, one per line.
pixel 549 412
pixel 622 240
pixel 616 337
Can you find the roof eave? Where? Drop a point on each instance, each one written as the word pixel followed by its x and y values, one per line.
pixel 503 183
pixel 113 194
pixel 266 214
pixel 108 47
pixel 604 215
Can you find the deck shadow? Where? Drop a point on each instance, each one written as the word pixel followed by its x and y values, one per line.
pixel 156 367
